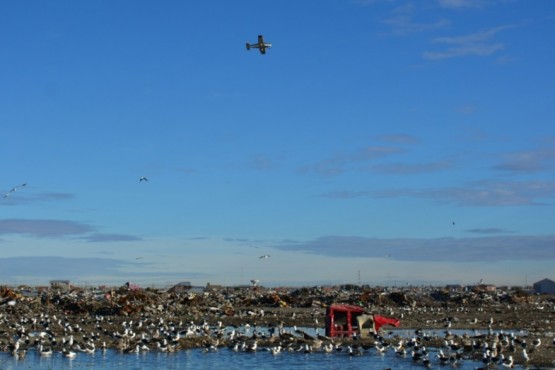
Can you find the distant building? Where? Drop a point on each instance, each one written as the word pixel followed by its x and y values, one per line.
pixel 213 288
pixel 454 287
pixel 485 288
pixel 59 285
pixel 181 287
pixel 545 286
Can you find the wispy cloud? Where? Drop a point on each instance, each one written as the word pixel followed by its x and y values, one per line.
pixel 372 2
pixel 476 44
pixel 99 238
pixel 43 228
pixel 106 270
pixel 487 230
pixel 466 109
pixel 198 238
pixel 486 193
pixel 185 170
pixel 348 194
pixel 410 169
pixel 479 194
pixel 58 229
pixel 399 139
pixel 59 266
pixel 527 161
pixel 448 4
pixel 483 249
pixel 404 24
pixel 262 163
pixel 406 18
pixel 23 197
pixel 345 161
pixel 463 4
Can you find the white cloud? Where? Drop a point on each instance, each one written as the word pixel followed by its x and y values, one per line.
pixel 404 24
pixel 476 44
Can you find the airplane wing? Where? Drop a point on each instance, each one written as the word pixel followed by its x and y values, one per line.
pixel 260 40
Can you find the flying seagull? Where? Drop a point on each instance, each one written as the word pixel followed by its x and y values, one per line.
pixel 143 179
pixel 14 189
pixel 264 256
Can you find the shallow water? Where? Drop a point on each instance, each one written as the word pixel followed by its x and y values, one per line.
pixel 223 358
pixel 231 360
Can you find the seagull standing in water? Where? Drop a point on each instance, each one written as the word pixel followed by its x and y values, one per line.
pixel 525 356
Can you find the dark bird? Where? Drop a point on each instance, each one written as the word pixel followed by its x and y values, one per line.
pixel 143 179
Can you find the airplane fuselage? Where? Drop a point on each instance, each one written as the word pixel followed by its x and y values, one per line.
pixel 260 45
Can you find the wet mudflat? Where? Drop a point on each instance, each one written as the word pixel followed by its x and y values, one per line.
pixel 489 327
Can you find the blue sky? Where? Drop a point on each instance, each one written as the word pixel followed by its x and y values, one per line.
pixel 377 141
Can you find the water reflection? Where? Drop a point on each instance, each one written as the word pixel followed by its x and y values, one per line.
pixel 224 358
pixel 294 357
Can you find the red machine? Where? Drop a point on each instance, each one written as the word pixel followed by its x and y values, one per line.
pixel 343 320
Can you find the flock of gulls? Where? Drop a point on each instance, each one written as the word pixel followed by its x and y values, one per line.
pixel 46 335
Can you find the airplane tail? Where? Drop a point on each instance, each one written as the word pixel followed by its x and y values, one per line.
pixel 248 46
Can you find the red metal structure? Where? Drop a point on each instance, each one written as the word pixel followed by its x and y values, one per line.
pixel 343 320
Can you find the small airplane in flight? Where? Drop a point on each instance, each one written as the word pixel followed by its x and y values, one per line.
pixel 260 45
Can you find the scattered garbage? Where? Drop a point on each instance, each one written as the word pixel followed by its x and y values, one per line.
pixel 198 315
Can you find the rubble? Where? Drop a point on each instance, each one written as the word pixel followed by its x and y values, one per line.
pixel 422 308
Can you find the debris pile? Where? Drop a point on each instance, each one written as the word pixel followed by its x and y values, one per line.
pixel 190 318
